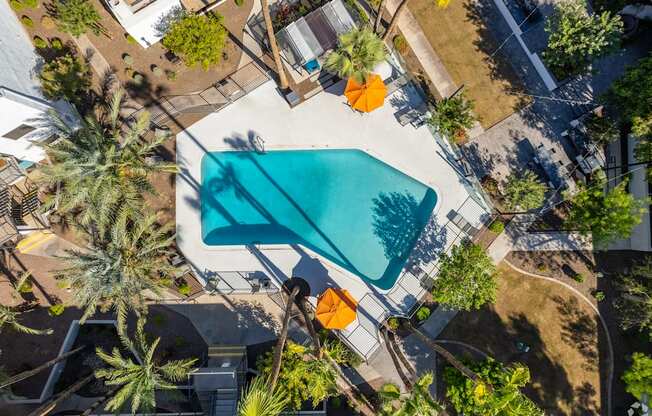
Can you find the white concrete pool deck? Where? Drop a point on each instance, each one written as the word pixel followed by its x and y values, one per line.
pixel 324 121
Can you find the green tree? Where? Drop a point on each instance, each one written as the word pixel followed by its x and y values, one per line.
pixel 66 77
pixel 605 215
pixel 504 398
pixel 139 381
pixel 301 378
pixel 631 95
pixel 101 168
pixel 638 377
pixel 577 37
pixel 9 317
pixel 418 403
pixel 198 39
pixel 634 301
pixel 77 17
pixel 524 191
pixel 115 271
pixel 466 278
pixel 452 116
pixel 601 130
pixel 258 400
pixel 357 53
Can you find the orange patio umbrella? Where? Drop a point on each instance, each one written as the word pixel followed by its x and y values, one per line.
pixel 368 96
pixel 336 308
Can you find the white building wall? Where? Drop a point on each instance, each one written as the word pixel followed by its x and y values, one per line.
pixel 13 114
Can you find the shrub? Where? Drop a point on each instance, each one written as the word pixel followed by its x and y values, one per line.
pixel 26 287
pixel 56 43
pixel 39 43
pixel 130 39
pixel 159 320
pixel 56 310
pixel 452 116
pixel 423 313
pixel 157 71
pixel 127 59
pixel 33 4
pixel 27 21
pixel 77 17
pixel 239 3
pixel 497 227
pixel 66 77
pixel 579 277
pixel 138 78
pixel 524 191
pixel 184 289
pixel 171 75
pixel 393 323
pixel 17 5
pixel 63 284
pixel 197 39
pixel 340 353
pixel 400 44
pixel 48 23
pixel 599 295
pixel 542 267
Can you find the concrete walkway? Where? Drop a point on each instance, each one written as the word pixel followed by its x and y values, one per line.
pixel 422 49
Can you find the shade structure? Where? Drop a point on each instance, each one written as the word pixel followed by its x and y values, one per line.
pixel 336 308
pixel 368 96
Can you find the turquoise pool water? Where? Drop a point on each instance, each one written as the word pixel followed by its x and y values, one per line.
pixel 345 205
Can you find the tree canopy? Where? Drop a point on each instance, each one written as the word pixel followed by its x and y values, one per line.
pixel 634 301
pixel 631 95
pixel 466 278
pixel 503 398
pixel 601 130
pixel 418 403
pixel 301 378
pixel 452 116
pixel 606 215
pixel 77 17
pixel 524 191
pixel 258 400
pixel 638 377
pixel 198 39
pixel 577 37
pixel 66 77
pixel 357 53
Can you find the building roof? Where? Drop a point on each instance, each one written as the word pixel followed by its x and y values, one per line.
pixel 146 25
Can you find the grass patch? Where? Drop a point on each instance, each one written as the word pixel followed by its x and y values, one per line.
pixel 460 41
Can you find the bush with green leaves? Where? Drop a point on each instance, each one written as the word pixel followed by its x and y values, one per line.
pixel 56 43
pixel 39 42
pixel 400 44
pixel 599 295
pixel 423 313
pixel 601 130
pixel 197 39
pixel 524 191
pixel 77 17
pixel 33 4
pixel 605 215
pixel 577 37
pixel 357 54
pixel 17 5
pixel 66 77
pixel 27 21
pixel 48 22
pixel 466 278
pixel 184 289
pixel 302 379
pixel 503 398
pixel 497 227
pixel 56 309
pixel 452 116
pixel 339 351
pixel 638 377
pixel 393 323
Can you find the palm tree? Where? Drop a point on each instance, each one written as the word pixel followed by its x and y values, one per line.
pixel 258 400
pixel 273 45
pixel 114 272
pixel 139 381
pixel 419 402
pixel 358 52
pixel 280 344
pixel 8 381
pixel 399 11
pixel 316 344
pixel 54 401
pixel 102 167
pixel 9 316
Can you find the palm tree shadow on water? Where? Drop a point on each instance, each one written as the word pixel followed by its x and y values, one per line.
pixel 407 228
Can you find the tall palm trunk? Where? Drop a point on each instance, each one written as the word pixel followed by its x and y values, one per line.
pixel 100 401
pixel 272 43
pixel 379 16
pixel 397 14
pixel 351 391
pixel 280 344
pixel 48 406
pixel 311 328
pixel 25 374
pixel 447 355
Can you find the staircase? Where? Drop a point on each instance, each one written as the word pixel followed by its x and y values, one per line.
pixel 224 402
pixel 218 384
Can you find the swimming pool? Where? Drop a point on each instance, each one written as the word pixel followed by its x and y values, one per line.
pixel 345 205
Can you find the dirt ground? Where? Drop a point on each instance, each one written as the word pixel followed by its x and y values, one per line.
pixel 461 40
pixel 567 354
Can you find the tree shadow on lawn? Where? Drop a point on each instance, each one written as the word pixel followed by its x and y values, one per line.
pixel 550 387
